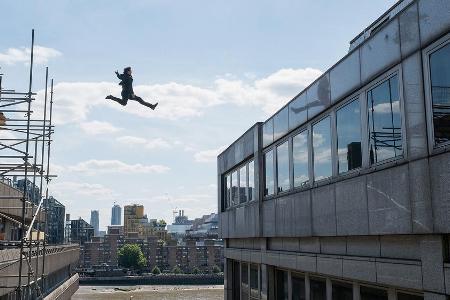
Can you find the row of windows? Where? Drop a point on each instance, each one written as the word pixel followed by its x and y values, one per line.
pixel 318 289
pixel 384 134
pixel 240 185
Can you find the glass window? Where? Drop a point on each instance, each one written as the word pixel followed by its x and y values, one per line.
pixel 368 293
pixel 298 288
pixel 283 167
pixel 342 291
pixel 348 125
pixel 440 93
pixel 298 111
pixel 318 289
pixel 403 296
pixel 251 181
pixel 280 123
pixel 281 285
pixel 300 159
pixel 385 131
pixel 243 184
pixel 269 182
pixel 254 287
pixel 228 190
pixel 268 133
pixel 244 280
pixel 234 188
pixel 322 149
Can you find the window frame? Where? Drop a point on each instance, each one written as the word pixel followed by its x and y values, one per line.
pixel 426 53
pixel 344 103
pixel 306 128
pixel 397 70
pixel 272 148
pixel 287 140
pixel 326 114
pixel 229 173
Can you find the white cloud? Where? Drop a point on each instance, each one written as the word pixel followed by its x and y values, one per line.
pixel 98 127
pixel 208 155
pixel 62 190
pixel 74 100
pixel 385 108
pixel 22 55
pixel 156 143
pixel 95 166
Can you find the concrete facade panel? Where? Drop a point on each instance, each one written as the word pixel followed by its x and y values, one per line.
pixel 333 245
pixel 420 191
pixel 269 218
pixel 363 269
pixel 447 279
pixel 284 216
pixel 400 246
pixel 440 189
pixel 432 257
pixel 433 19
pixel 329 266
pixel 291 244
pixel 388 201
pixel 380 51
pixel 288 261
pixel 401 275
pixel 351 207
pixel 241 226
pixel 310 245
pixel 409 30
pixel 302 226
pixel 345 76
pixel 415 121
pixel 323 211
pixel 363 246
pixel 306 263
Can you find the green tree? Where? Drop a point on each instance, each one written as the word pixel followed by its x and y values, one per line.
pixel 215 269
pixel 156 270
pixel 177 270
pixel 131 256
pixel 196 271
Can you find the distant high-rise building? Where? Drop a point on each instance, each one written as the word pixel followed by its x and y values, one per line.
pixel 95 221
pixel 55 220
pixel 116 215
pixel 80 231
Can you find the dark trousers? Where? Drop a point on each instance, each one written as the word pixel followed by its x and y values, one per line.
pixel 125 99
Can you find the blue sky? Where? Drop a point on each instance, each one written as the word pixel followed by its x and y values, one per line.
pixel 216 68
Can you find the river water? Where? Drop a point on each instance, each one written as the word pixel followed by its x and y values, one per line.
pixel 150 292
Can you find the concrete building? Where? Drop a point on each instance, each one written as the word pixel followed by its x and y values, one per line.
pixel 80 231
pixel 55 220
pixel 95 221
pixel 343 193
pixel 136 223
pixel 116 215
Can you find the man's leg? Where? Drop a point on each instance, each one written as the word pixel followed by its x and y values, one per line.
pixel 139 99
pixel 122 101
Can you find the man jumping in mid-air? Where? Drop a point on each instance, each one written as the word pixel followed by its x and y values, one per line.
pixel 127 90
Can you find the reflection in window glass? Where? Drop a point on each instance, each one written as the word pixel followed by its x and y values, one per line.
pixel 234 188
pixel 227 190
pixel 348 124
pixel 322 149
pixel 318 289
pixel 281 285
pixel 283 167
pixel 403 296
pixel 268 133
pixel 298 288
pixel 368 293
pixel 440 92
pixel 385 135
pixel 300 159
pixel 269 182
pixel 243 184
pixel 280 124
pixel 244 280
pixel 297 111
pixel 251 181
pixel 342 291
pixel 254 287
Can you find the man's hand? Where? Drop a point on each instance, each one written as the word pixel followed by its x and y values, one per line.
pixel 117 73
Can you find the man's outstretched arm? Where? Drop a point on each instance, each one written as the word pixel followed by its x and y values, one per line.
pixel 118 75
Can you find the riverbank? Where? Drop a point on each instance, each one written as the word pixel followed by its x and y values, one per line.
pixel 161 279
pixel 150 292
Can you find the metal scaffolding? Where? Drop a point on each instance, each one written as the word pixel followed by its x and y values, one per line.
pixel 25 143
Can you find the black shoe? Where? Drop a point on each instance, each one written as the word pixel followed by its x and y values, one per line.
pixel 154 106
pixel 109 97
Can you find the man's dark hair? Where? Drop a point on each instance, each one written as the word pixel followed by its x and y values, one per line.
pixel 126 70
